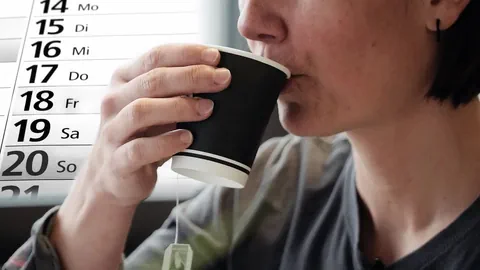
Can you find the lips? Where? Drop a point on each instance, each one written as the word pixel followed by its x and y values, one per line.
pixel 289 87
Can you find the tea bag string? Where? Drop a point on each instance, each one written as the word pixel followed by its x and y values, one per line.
pixel 177 186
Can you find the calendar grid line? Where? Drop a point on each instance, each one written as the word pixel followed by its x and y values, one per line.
pixel 46 145
pixel 13 17
pixel 15 38
pixel 48 114
pixel 140 2
pixel 118 14
pixel 120 35
pixel 75 60
pixel 35 179
pixel 56 86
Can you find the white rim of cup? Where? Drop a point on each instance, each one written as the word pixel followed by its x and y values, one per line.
pixel 254 57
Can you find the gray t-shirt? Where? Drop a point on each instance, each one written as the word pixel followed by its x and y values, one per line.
pixel 299 211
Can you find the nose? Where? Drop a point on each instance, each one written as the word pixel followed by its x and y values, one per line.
pixel 260 21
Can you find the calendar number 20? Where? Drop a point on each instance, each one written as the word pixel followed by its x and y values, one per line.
pixel 29 166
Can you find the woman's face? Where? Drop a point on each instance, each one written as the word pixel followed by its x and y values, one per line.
pixel 356 63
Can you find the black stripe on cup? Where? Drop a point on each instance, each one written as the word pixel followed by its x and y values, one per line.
pixel 229 164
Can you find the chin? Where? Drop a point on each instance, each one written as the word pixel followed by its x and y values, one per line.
pixel 295 120
pixel 300 121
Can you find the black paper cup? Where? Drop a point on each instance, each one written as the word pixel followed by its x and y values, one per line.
pixel 225 145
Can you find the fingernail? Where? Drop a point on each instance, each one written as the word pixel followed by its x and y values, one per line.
pixel 210 55
pixel 186 137
pixel 221 76
pixel 204 106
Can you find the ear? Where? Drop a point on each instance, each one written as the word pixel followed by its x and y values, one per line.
pixel 447 11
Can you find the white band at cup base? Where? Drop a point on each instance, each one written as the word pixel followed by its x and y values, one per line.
pixel 208 171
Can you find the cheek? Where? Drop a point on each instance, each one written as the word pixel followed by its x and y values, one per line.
pixel 334 50
pixel 334 41
pixel 369 54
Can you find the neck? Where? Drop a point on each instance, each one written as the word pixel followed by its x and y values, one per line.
pixel 416 175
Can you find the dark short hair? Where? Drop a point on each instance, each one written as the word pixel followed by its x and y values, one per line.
pixel 458 74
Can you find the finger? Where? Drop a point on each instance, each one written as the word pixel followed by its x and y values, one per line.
pixel 149 112
pixel 143 151
pixel 172 55
pixel 160 163
pixel 171 82
pixel 157 130
pixel 154 131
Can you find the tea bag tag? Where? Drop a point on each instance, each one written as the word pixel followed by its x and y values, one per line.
pixel 178 257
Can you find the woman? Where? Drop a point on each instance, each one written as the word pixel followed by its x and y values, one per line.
pixel 401 191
